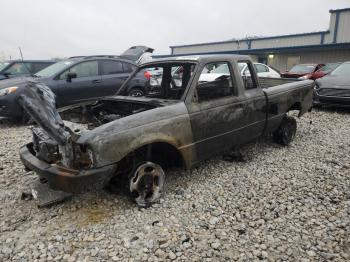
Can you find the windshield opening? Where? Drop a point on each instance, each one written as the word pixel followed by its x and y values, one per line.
pixel 305 69
pixel 54 69
pixel 164 81
pixel 3 65
pixel 342 70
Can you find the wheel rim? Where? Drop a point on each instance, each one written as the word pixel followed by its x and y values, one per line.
pixel 146 184
pixel 136 93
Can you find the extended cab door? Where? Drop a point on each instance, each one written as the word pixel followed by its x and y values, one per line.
pixel 84 85
pixel 255 103
pixel 217 111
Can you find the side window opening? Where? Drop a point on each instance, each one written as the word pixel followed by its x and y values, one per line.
pixel 261 68
pixel 85 69
pixel 128 68
pixel 215 82
pixel 18 69
pixel 248 81
pixel 165 81
pixel 111 67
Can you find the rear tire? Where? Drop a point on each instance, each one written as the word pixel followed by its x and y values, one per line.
pixel 136 92
pixel 285 134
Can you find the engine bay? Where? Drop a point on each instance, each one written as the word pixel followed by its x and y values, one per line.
pixel 93 115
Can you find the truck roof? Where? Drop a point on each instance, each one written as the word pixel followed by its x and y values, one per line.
pixel 199 58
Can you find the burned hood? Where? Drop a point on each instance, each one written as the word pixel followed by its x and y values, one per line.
pixel 135 52
pixel 39 102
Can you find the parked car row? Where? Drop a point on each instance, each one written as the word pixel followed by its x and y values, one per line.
pixel 332 82
pixel 84 77
pixel 76 79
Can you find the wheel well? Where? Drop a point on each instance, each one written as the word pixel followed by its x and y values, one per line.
pixel 162 153
pixel 295 106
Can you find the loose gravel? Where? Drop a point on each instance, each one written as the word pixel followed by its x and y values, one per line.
pixel 289 203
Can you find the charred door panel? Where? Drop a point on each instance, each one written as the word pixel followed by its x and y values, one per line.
pixel 255 114
pixel 217 125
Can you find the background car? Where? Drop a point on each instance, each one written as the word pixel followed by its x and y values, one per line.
pixel 301 70
pixel 261 70
pixel 334 88
pixel 77 79
pixel 15 68
pixel 321 72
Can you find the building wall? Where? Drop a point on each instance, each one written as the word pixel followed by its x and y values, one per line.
pixel 288 49
pixel 339 24
pixel 280 61
pixel 219 47
pixel 344 27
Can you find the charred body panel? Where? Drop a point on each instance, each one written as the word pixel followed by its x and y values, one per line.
pixel 66 179
pixel 114 129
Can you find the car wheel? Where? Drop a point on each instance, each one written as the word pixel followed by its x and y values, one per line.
pixel 136 92
pixel 285 134
pixel 146 183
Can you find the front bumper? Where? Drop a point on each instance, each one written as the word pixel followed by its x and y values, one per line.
pixel 331 101
pixel 332 97
pixel 9 108
pixel 65 179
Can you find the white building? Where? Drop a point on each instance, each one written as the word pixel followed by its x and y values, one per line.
pixel 282 52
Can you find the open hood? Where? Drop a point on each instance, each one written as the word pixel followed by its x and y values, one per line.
pixel 39 102
pixel 134 53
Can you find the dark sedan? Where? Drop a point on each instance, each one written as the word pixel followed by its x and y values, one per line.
pixel 334 89
pixel 15 68
pixel 77 79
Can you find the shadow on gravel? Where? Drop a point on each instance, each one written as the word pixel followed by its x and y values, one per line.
pixel 10 122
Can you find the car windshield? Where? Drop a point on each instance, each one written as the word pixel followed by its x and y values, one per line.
pixel 328 67
pixel 302 69
pixel 54 69
pixel 342 70
pixel 222 69
pixel 169 83
pixel 3 65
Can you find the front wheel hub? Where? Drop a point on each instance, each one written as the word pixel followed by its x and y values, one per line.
pixel 146 184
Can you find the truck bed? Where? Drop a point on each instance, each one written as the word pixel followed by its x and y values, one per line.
pixel 266 82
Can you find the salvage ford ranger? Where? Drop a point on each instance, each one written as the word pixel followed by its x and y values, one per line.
pixel 186 120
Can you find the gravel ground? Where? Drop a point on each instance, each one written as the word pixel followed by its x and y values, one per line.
pixel 280 204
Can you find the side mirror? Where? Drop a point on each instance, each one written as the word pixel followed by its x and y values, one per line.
pixel 6 74
pixel 70 76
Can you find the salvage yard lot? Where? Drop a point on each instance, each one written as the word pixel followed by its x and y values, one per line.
pixel 281 203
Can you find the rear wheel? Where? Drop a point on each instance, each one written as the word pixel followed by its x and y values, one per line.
pixel 285 134
pixel 136 92
pixel 146 183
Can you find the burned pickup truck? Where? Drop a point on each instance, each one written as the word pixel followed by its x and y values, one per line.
pixel 189 119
